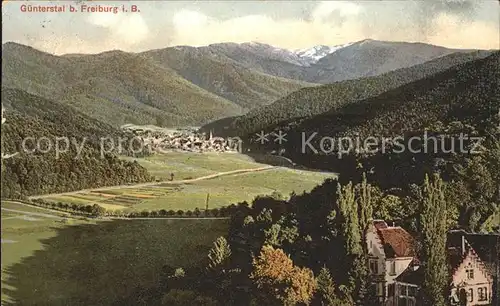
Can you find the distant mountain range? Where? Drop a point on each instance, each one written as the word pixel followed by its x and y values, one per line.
pixel 314 54
pixel 184 85
pixel 324 64
pixel 310 102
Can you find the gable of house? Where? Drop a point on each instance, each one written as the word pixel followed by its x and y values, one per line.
pixel 471 279
pixel 470 271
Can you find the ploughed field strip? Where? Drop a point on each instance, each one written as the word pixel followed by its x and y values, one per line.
pixel 120 198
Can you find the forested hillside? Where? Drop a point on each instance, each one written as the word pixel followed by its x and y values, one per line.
pixel 79 164
pixel 309 102
pixel 225 77
pixel 464 100
pixel 115 87
pixel 167 87
pixel 350 61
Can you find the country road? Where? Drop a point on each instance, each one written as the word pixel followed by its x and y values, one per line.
pixel 65 215
pixel 168 218
pixel 201 178
pixel 32 213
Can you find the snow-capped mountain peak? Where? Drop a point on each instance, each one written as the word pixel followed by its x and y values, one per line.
pixel 314 54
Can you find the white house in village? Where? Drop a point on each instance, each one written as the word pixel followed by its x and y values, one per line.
pixel 472 279
pixel 391 251
pixel 396 274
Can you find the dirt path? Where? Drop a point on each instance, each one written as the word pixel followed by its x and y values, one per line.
pixel 32 213
pixel 40 208
pixel 169 218
pixel 68 215
pixel 201 178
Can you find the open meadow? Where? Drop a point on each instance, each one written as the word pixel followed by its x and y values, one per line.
pixel 52 260
pixel 189 165
pixel 183 194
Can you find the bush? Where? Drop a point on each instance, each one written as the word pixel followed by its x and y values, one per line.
pixel 216 212
pixel 197 212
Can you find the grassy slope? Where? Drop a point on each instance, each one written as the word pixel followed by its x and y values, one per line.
pixel 192 165
pixel 95 263
pixel 233 189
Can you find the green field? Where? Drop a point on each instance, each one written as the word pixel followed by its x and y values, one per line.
pixel 222 191
pixel 48 262
pixel 191 165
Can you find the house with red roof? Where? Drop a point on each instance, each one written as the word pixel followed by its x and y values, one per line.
pixel 392 252
pixel 473 261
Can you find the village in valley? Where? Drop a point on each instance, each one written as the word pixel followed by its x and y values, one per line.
pixel 186 139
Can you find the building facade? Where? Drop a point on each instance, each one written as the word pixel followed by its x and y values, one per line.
pixel 391 252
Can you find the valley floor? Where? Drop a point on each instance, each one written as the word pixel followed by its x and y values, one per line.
pixel 57 258
pixel 51 260
pixel 225 178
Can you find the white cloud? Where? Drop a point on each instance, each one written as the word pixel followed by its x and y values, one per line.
pixel 383 20
pixel 189 19
pixel 343 8
pixel 125 29
pixel 196 29
pixel 451 32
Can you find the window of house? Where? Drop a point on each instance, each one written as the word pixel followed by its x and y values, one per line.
pixel 403 290
pixel 392 267
pixel 381 289
pixel 374 266
pixel 482 294
pixel 412 291
pixel 390 290
pixel 470 295
pixel 470 273
pixel 402 301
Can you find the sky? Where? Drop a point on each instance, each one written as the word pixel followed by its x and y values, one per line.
pixel 471 24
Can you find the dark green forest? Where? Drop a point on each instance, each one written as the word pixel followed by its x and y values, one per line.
pixel 309 102
pixel 33 172
pixel 464 100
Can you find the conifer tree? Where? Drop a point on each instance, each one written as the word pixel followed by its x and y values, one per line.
pixel 326 292
pixel 360 265
pixel 365 204
pixel 350 212
pixel 433 228
pixel 219 254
